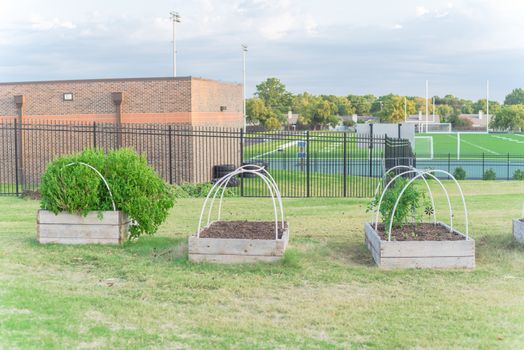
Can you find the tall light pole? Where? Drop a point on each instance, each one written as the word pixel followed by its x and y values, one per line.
pixel 175 18
pixel 244 51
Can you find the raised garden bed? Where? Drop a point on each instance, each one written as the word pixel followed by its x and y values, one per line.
pixel 434 246
pixel 65 228
pixel 518 230
pixel 77 198
pixel 418 245
pixel 240 241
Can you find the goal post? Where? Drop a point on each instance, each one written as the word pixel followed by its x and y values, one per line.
pixel 428 128
pixel 424 147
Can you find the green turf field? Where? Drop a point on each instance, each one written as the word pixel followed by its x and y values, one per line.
pixel 471 145
pixel 321 146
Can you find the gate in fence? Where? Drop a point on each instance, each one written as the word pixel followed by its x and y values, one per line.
pixel 304 164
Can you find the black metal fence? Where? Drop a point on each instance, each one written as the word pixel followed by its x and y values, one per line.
pixel 505 167
pixel 304 164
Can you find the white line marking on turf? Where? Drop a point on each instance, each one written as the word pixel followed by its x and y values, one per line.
pixel 480 147
pixel 507 139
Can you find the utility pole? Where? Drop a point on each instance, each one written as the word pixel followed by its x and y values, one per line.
pixel 244 51
pixel 487 106
pixel 175 18
pixel 427 107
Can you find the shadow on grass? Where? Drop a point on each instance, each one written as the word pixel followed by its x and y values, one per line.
pixel 350 252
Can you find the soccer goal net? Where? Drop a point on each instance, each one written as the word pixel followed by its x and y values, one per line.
pixel 424 147
pixel 422 128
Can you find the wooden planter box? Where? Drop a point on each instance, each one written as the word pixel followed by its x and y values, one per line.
pixel 420 254
pixel 232 251
pixel 66 228
pixel 518 230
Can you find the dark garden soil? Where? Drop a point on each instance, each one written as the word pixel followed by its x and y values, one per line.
pixel 243 230
pixel 419 232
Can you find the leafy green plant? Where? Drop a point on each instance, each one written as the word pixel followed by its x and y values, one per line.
pixel 459 173
pixel 489 175
pixel 137 189
pixel 188 190
pixel 518 175
pixel 407 206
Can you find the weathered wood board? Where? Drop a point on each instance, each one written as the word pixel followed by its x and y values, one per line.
pixel 420 254
pixel 66 228
pixel 518 230
pixel 233 251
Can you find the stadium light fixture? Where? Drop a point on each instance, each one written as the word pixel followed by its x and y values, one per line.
pixel 244 51
pixel 175 18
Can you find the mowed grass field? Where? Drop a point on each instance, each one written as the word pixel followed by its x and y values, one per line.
pixel 325 294
pixel 492 145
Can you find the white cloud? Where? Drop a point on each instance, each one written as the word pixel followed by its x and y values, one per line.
pixel 39 23
pixel 421 11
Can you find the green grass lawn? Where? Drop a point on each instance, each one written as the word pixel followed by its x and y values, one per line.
pixel 492 145
pixel 325 294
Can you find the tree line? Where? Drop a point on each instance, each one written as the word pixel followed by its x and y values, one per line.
pixel 272 101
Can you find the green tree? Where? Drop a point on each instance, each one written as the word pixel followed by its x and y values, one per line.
pixel 342 104
pixel 362 104
pixel 444 111
pixel 324 114
pixel 257 111
pixel 275 96
pixel 515 97
pixel 393 109
pixel 509 118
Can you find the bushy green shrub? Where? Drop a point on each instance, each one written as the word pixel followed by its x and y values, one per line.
pixel 489 175
pixel 137 189
pixel 407 207
pixel 518 175
pixel 459 173
pixel 188 190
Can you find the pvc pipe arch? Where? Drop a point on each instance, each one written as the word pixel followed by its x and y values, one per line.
pixel 221 185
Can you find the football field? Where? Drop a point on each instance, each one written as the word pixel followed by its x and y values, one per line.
pixel 439 145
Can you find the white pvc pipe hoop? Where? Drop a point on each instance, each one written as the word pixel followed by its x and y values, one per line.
pixel 266 177
pixel 384 177
pixel 418 172
pixel 221 185
pixel 101 176
pixel 429 172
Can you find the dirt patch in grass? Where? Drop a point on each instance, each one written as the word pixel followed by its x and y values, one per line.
pixel 419 232
pixel 243 230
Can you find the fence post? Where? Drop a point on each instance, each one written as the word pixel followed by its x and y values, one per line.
pixel 16 158
pixel 308 192
pixel 345 165
pixel 508 165
pixel 399 128
pixel 170 145
pixel 241 161
pixel 483 164
pixel 371 149
pixel 449 164
pixel 94 134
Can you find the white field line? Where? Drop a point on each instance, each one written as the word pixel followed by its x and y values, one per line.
pixel 507 139
pixel 479 147
pixel 282 147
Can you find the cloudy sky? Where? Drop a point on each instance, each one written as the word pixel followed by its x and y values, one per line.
pixel 320 46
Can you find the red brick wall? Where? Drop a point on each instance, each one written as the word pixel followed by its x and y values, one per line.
pixel 208 96
pixel 185 100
